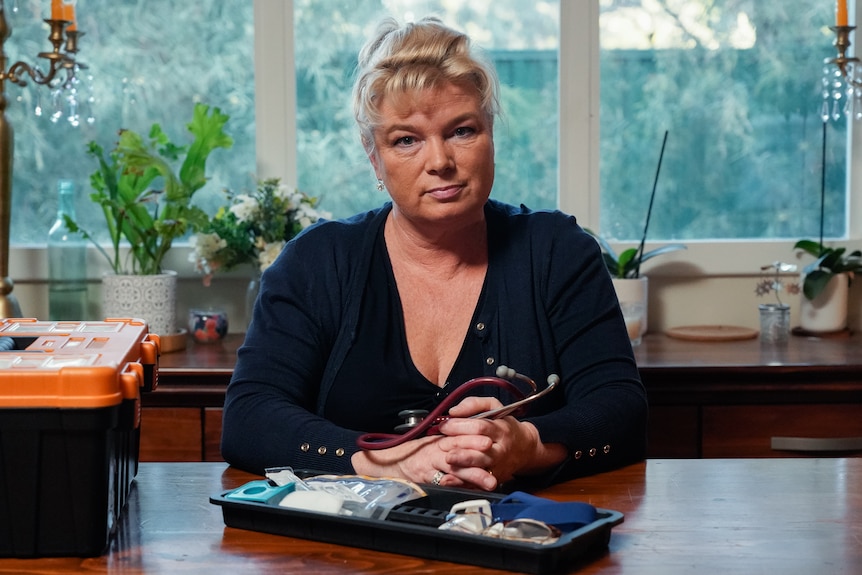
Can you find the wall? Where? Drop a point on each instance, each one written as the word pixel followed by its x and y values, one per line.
pixel 677 301
pixel 673 300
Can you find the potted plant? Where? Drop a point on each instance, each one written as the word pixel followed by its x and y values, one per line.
pixel 826 280
pixel 252 229
pixel 632 289
pixel 145 188
pixel 826 286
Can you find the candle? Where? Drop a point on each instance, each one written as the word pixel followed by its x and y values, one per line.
pixel 841 13
pixel 69 14
pixel 56 9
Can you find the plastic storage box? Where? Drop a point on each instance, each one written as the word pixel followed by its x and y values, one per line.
pixel 70 413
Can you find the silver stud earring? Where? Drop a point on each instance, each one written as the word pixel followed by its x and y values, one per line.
pixel 380 186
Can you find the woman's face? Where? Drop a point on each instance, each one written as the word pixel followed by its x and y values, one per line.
pixel 434 151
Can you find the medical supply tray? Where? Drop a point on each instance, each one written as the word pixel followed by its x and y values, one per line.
pixel 70 418
pixel 411 529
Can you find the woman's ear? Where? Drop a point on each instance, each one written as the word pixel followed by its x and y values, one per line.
pixel 371 152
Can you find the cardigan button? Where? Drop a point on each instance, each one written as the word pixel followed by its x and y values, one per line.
pixel 592 452
pixel 321 450
pixel 490 361
pixel 606 449
pixel 305 447
pixel 480 326
pixel 339 452
pixel 578 454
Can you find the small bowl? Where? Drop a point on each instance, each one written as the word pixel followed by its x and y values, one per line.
pixel 207 325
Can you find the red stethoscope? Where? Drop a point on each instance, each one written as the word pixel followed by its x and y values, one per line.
pixel 420 422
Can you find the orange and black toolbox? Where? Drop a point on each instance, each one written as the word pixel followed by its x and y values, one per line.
pixel 70 422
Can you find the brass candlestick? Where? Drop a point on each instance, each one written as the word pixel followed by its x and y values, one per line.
pixel 61 58
pixel 842 82
pixel 842 43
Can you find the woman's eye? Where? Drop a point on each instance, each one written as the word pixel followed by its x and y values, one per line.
pixel 405 141
pixel 463 131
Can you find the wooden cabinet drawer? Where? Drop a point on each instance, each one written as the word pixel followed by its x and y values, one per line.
pixel 751 430
pixel 674 431
pixel 171 434
pixel 212 433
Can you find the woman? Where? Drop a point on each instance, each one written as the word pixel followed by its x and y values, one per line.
pixel 393 309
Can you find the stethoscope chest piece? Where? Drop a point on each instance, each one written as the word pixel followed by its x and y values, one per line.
pixel 412 418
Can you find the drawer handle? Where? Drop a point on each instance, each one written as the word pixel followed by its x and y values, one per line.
pixel 817 443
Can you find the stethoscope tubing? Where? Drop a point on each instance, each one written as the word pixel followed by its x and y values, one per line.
pixel 429 425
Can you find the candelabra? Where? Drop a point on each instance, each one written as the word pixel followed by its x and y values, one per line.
pixel 842 80
pixel 60 60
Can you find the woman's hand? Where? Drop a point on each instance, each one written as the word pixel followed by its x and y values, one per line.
pixel 486 452
pixel 475 453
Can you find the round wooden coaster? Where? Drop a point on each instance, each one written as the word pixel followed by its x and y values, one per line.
pixel 712 332
pixel 174 342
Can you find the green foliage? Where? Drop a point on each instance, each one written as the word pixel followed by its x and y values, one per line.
pixel 627 264
pixel 135 208
pixel 829 262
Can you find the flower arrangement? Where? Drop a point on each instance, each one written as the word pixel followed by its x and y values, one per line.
pixel 253 228
pixel 771 281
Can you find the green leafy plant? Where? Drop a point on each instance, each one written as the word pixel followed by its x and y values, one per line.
pixel 627 264
pixel 829 262
pixel 144 200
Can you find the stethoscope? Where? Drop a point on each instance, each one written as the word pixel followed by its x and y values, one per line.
pixel 419 422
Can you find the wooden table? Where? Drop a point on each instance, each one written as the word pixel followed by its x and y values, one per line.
pixel 784 516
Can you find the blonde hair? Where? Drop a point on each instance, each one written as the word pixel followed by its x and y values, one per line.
pixel 417 56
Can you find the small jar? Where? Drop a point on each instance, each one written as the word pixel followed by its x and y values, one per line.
pixel 207 325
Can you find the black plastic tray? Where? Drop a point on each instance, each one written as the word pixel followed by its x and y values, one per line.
pixel 403 532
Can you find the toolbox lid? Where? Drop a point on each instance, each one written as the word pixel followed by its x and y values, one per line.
pixel 72 364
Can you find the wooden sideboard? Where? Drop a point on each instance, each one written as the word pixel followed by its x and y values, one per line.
pixel 707 399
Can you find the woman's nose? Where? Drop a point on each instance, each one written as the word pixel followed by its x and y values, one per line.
pixel 438 156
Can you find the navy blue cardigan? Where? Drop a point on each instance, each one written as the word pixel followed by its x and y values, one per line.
pixel 550 308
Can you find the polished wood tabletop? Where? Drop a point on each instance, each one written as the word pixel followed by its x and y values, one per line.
pixel 657 351
pixel 784 516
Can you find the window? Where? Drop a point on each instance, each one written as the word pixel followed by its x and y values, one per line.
pixel 147 61
pixel 736 84
pixel 590 147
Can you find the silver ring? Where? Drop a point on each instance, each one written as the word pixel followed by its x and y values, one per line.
pixel 437 477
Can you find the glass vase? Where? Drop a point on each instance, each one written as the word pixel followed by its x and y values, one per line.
pixel 774 323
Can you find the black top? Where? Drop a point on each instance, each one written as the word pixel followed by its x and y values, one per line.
pixel 379 363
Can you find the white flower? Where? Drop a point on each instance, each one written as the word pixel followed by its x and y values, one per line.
pixel 246 208
pixel 268 253
pixel 205 245
pixel 284 193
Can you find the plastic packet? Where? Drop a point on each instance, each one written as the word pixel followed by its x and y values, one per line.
pixel 363 496
pixel 284 475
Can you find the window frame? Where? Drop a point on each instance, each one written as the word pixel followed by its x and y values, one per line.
pixel 275 89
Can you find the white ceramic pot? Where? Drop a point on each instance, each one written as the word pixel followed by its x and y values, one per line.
pixel 636 292
pixel 828 311
pixel 151 298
